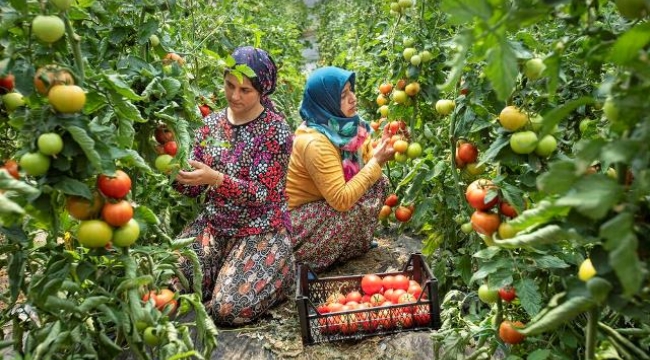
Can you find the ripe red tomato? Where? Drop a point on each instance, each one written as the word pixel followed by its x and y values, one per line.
pixel 323 309
pixel 393 127
pixel 395 295
pixel 12 168
pixel 377 299
pixel 162 299
pixel 401 84
pixel 385 88
pixel 391 200
pixel 81 208
pixel 114 187
pixel 485 223
pixel 507 293
pixel 400 281
pixel 509 334
pixel 170 57
pixel 205 110
pixel 506 209
pixel 467 152
pixel 371 284
pixel 405 299
pixel 415 290
pixel 422 315
pixel 403 214
pixel 478 193
pixel 7 83
pixel 170 148
pixel 459 163
pixel 163 134
pixel 349 324
pixel 335 298
pixel 354 296
pixel 388 282
pixel 117 213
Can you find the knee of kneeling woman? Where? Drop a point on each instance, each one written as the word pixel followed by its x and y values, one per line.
pixel 230 314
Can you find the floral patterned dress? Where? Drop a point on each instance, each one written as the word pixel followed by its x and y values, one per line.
pixel 242 233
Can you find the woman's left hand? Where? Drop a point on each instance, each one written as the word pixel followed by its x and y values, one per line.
pixel 201 175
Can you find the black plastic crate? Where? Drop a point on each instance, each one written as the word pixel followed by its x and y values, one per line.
pixel 423 314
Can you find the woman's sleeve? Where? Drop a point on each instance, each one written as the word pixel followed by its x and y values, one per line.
pixel 323 162
pixel 270 164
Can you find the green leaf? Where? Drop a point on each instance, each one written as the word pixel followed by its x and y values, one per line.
pixel 539 354
pixel 558 315
pixel 547 235
pixel 92 303
pixel 593 196
pixel 627 46
pixel 116 83
pixel 559 178
pixel 529 295
pixel 463 12
pixel 172 87
pixel 549 262
pixel 134 283
pixel 230 61
pixel 553 117
pixel 457 63
pixel 55 304
pixel 246 70
pixel 72 186
pixel 87 144
pixel 495 147
pixel 622 244
pixel 622 150
pixel 9 207
pixel 487 253
pixel 502 69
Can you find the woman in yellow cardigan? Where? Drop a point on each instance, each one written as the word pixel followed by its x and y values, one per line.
pixel 335 182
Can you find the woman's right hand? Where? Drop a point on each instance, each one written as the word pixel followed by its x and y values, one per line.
pixel 384 152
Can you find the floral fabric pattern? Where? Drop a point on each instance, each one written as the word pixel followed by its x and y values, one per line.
pixel 323 236
pixel 242 238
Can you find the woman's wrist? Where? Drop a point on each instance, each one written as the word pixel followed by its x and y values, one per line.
pixel 217 180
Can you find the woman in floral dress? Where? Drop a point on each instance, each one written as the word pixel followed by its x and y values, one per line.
pixel 239 159
pixel 335 182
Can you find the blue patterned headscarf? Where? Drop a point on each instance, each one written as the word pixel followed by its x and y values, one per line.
pixel 321 110
pixel 264 68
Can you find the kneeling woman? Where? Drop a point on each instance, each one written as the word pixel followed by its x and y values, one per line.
pixel 335 183
pixel 240 159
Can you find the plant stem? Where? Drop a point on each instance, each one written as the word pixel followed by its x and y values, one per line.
pixel 76 51
pixel 591 332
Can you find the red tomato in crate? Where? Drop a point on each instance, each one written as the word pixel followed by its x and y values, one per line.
pixel 371 284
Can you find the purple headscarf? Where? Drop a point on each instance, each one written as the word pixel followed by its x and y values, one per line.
pixel 264 68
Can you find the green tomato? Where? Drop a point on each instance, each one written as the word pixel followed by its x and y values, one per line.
pixel 416 60
pixel 534 68
pixel 445 107
pixel 408 41
pixel 426 56
pixel 48 28
pixel 154 40
pixel 546 146
pixel 400 158
pixel 400 96
pixel 35 164
pixel 487 295
pixel 50 143
pixel 94 233
pixel 523 142
pixel 414 150
pixel 585 124
pixel 13 101
pixel 466 227
pixel 163 163
pixel 610 109
pixel 126 234
pixel 408 53
pixel 404 4
pixel 151 336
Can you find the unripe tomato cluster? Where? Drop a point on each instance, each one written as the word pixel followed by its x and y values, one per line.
pixel 108 217
pixel 379 296
pixel 523 141
pixel 166 148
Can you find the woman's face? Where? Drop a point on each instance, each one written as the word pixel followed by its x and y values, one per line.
pixel 348 101
pixel 242 97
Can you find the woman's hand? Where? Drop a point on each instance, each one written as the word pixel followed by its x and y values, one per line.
pixel 384 152
pixel 201 175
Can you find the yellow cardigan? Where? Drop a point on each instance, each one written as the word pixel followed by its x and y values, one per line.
pixel 315 172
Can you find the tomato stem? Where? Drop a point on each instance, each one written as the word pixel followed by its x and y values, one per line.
pixel 76 51
pixel 590 332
